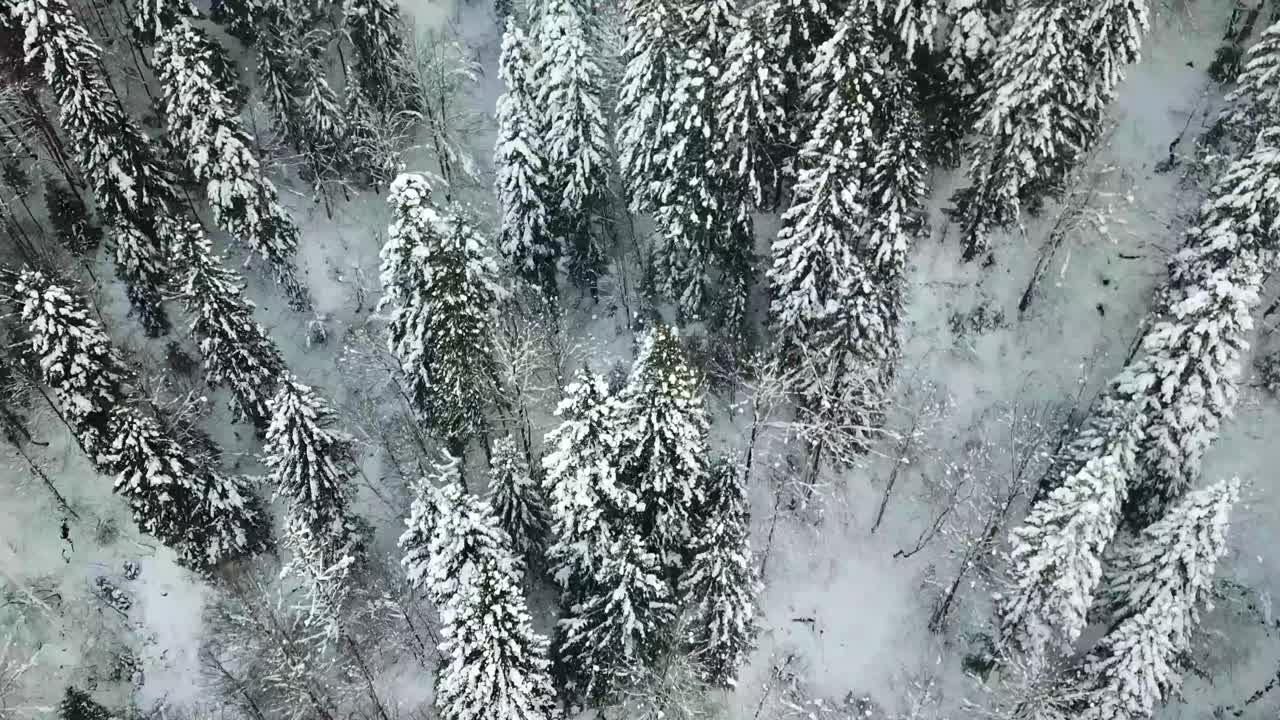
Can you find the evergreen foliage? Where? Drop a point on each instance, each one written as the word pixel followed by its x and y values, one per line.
pixel 132 190
pixel 442 284
pixel 750 110
pixel 569 82
pixel 236 351
pixel 1047 88
pixel 720 585
pixel 516 499
pixel 380 62
pixel 495 665
pixel 588 506
pixel 205 121
pixel 604 640
pixel 153 18
pixel 1141 448
pixel 525 190
pixel 664 451
pixel 816 265
pixel 204 516
pixel 697 225
pixel 1158 583
pixel 77 705
pixel 313 465
pixel 652 58
pixel 75 357
pixel 70 219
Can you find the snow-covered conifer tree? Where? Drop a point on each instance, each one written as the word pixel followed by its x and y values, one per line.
pixel 236 352
pixel 77 705
pixel 321 126
pixel 914 22
pixel 577 152
pixel 1038 116
pixel 720 585
pixel 495 665
pixel 380 62
pixel 204 516
pixel 516 498
pixel 312 465
pixel 70 219
pixel 74 354
pixel 651 56
pixel 153 18
pixel 442 284
pixel 1055 555
pixel 816 267
pixel 894 188
pixel 619 624
pixel 204 120
pixel 663 427
pixel 131 188
pixel 525 191
pixel 750 109
pixel 797 28
pixel 1191 358
pixel 587 504
pixel 696 222
pixel 420 526
pixel 1046 91
pixel 1141 448
pixel 1157 585
pixel 1256 99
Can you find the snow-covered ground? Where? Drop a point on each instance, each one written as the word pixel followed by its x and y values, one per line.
pixel 839 609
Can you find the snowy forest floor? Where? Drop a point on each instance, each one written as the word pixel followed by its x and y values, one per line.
pixel 845 611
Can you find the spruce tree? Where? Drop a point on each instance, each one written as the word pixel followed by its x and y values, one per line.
pixel 588 505
pixel 525 192
pixel 1140 449
pixel 321 127
pixel 70 219
pixel 204 516
pixel 750 110
pixel 696 221
pixel 619 625
pixel 1158 584
pixel 914 22
pixel 1185 378
pixel 894 189
pixel 442 283
pixel 313 465
pixel 420 526
pixel 153 18
pixel 131 188
pixel 652 58
pixel 495 665
pixel 1047 88
pixel 516 499
pixel 77 705
pixel 816 266
pixel 796 29
pixel 1256 98
pixel 663 427
pixel 380 58
pixel 75 357
pixel 576 137
pixel 204 120
pixel 719 587
pixel 1055 555
pixel 236 352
